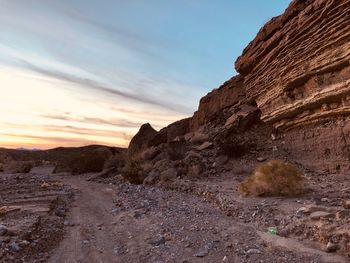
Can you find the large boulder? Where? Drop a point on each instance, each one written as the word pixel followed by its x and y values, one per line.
pixel 141 140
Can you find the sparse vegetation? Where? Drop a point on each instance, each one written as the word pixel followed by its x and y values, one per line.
pixel 1 167
pixel 133 172
pixel 3 211
pixel 274 178
pixel 24 167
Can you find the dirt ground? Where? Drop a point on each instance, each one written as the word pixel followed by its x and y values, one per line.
pixel 206 221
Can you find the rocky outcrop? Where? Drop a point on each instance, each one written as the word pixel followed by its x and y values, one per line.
pixel 297 69
pixel 227 95
pixel 141 140
pixel 291 99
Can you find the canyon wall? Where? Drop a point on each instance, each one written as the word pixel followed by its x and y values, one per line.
pixel 297 71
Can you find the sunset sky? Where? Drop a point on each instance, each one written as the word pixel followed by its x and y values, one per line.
pixel 78 72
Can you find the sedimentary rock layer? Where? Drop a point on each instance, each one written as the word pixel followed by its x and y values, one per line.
pixel 230 93
pixel 298 67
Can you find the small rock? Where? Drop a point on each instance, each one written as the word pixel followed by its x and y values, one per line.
pixel 15 247
pixel 85 242
pixel 60 212
pixel 331 247
pixel 202 252
pixel 325 200
pixel 346 204
pixel 342 214
pixel 116 210
pixel 253 251
pixel 320 214
pixel 261 159
pixel 158 242
pixel 225 259
pixel 3 230
pixel 204 146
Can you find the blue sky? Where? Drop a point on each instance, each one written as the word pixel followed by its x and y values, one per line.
pixel 106 67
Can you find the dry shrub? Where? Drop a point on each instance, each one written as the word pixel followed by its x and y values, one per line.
pixel 3 211
pixel 133 172
pixel 274 178
pixel 24 167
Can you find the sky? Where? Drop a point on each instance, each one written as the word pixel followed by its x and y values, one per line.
pixel 79 72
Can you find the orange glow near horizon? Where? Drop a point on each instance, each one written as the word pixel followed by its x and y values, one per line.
pixel 42 112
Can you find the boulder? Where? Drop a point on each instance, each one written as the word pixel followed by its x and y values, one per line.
pixel 141 140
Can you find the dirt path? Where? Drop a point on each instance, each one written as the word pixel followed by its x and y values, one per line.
pixel 128 223
pixel 90 233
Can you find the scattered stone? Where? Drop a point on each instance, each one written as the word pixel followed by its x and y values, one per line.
pixel 60 212
pixel 15 247
pixel 158 242
pixel 325 200
pixel 119 250
pixel 116 210
pixel 3 230
pixel 331 247
pixel 320 214
pixel 204 146
pixel 261 159
pixel 253 251
pixel 346 204
pixel 168 174
pixel 342 214
pixel 202 252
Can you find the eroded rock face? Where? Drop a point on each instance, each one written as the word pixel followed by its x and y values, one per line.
pixel 229 94
pixel 291 99
pixel 297 69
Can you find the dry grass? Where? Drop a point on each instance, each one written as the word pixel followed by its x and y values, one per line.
pixel 274 178
pixel 3 211
pixel 24 167
pixel 133 172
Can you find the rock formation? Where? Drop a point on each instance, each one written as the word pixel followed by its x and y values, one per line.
pixel 297 70
pixel 291 98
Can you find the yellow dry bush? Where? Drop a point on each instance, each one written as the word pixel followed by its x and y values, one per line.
pixel 3 211
pixel 274 178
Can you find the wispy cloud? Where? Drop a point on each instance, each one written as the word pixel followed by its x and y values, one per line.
pixel 92 120
pixel 92 84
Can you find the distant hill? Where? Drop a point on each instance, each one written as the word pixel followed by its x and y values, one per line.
pixel 76 160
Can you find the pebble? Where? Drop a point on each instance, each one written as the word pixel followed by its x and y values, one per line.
pixel 261 159
pixel 346 204
pixel 253 251
pixel 15 247
pixel 202 253
pixel 158 242
pixel 331 247
pixel 3 230
pixel 319 214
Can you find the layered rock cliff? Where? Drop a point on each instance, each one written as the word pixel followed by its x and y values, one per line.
pixel 298 67
pixel 295 76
